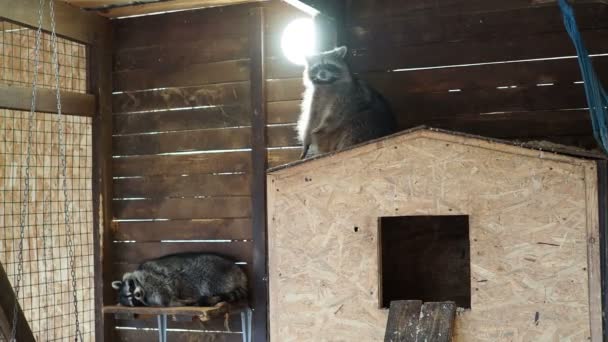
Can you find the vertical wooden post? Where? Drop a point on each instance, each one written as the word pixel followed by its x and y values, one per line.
pixel 259 162
pixel 100 76
pixel 602 176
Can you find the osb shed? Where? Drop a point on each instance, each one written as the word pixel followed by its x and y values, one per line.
pixel 185 103
pixel 532 238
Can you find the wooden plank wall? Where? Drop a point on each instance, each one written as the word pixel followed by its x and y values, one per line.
pixel 492 68
pixel 182 116
pixel 182 139
pixel 181 145
pixel 450 54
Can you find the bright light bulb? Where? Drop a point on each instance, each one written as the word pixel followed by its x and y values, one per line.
pixel 299 40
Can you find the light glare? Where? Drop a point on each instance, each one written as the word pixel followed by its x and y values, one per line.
pixel 299 40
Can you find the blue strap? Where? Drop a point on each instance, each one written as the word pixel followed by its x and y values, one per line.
pixel 596 95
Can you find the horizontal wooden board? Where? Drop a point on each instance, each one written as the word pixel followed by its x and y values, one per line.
pixel 163 99
pixel 198 140
pixel 20 98
pixel 171 54
pixel 284 89
pixel 174 5
pixel 282 136
pixel 280 67
pixel 562 71
pixel 179 120
pixel 136 253
pixel 429 105
pixel 283 111
pixel 437 26
pixel 514 125
pixel 182 76
pixel 181 186
pixel 216 324
pixel 388 8
pixel 186 208
pixel 204 163
pixel 211 229
pixel 70 22
pixel 468 52
pixel 180 27
pixel 152 335
pixel 282 156
pixel 181 164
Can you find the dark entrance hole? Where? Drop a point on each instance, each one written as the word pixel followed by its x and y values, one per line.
pixel 424 258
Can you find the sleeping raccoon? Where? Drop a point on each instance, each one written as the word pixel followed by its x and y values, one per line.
pixel 182 279
pixel 339 110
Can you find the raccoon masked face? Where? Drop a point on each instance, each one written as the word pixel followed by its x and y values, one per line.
pixel 130 292
pixel 327 67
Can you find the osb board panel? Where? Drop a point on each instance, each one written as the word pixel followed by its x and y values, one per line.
pixel 528 235
pixel 46 292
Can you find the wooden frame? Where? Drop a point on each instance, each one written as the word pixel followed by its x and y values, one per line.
pixel 95 32
pixel 602 174
pixel 100 55
pixel 259 162
pixel 19 98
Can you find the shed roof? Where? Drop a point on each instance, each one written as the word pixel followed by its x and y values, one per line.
pixel 546 149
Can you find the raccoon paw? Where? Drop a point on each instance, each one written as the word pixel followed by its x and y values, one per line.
pixel 304 151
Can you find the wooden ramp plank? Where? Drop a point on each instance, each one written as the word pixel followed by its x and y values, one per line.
pixel 436 322
pixel 402 321
pixel 412 321
pixel 7 300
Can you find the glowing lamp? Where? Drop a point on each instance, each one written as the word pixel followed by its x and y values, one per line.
pixel 299 40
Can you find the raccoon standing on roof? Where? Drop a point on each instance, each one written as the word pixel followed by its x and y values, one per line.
pixel 181 280
pixel 339 110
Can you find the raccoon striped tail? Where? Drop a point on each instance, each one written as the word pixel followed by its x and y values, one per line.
pixel 236 295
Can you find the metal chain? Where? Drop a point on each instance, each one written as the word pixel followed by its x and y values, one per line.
pixel 46 217
pixel 25 210
pixel 62 153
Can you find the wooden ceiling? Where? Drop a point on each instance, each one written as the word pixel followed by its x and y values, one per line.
pixel 124 8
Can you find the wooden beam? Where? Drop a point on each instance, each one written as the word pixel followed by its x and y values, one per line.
pixel 593 252
pixel 100 77
pixel 72 23
pixel 259 164
pixel 19 98
pixel 134 8
pixel 203 313
pixel 602 174
pixel 7 301
pixel 304 6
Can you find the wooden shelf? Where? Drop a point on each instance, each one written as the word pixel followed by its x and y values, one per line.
pixel 202 313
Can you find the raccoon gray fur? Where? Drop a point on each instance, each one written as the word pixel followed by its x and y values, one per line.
pixel 184 279
pixel 339 110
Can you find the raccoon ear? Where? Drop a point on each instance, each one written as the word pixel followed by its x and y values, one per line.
pixel 341 51
pixel 116 284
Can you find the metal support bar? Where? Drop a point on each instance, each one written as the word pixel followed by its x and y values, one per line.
pixel 246 324
pixel 162 328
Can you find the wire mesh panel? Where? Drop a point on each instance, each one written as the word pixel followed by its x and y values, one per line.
pixel 17 63
pixel 46 293
pixel 46 296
